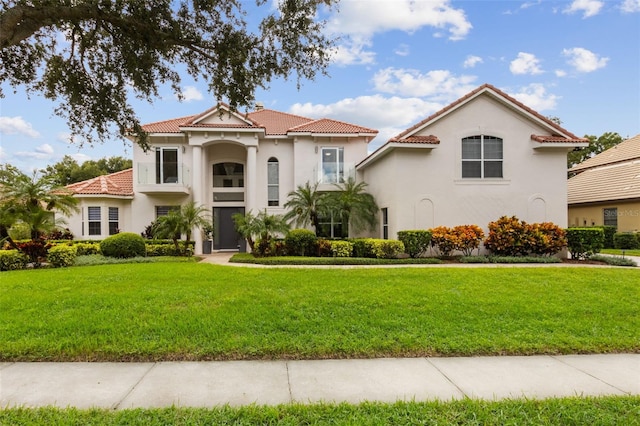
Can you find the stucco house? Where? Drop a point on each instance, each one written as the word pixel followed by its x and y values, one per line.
pixel 484 156
pixel 605 189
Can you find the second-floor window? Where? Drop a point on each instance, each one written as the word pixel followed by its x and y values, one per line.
pixel 228 175
pixel 273 182
pixel 482 157
pixel 167 165
pixel 332 164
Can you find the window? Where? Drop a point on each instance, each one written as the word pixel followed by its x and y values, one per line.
pixel 166 165
pixel 228 175
pixel 164 210
pixel 482 157
pixel 113 220
pixel 93 220
pixel 611 217
pixel 332 165
pixel 329 227
pixel 273 182
pixel 385 224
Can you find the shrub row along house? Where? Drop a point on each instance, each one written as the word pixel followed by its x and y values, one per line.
pixel 484 156
pixel 605 189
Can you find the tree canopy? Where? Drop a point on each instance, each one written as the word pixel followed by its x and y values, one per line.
pixel 68 171
pixel 596 146
pixel 93 55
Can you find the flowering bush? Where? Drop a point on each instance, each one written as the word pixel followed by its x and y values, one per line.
pixel 464 238
pixel 510 236
pixel 546 238
pixel 443 240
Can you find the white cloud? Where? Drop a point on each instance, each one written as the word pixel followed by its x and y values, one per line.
pixel 358 21
pixel 440 85
pixel 15 125
pixel 584 60
pixel 561 73
pixel 42 152
pixel 588 7
pixel 472 61
pixel 630 6
pixel 525 63
pixel 402 50
pixel 191 93
pixel 535 96
pixel 3 155
pixel 80 158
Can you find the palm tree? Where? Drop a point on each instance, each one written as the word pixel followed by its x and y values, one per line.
pixel 31 200
pixel 306 204
pixel 182 221
pixel 354 206
pixel 263 226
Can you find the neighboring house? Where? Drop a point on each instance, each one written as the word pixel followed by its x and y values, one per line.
pixel 482 157
pixel 605 189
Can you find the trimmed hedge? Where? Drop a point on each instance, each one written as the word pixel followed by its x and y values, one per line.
pixel 300 242
pixel 11 260
pixel 584 242
pixel 626 241
pixel 416 242
pixel 62 255
pixel 341 248
pixel 377 248
pixel 123 245
pixel 508 259
pixel 86 249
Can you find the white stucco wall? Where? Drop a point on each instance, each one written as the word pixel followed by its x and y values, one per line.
pixel 423 188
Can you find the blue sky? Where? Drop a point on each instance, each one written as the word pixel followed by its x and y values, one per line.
pixel 399 61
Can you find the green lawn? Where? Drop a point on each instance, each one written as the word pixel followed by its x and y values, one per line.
pixel 170 311
pixel 619 252
pixel 612 411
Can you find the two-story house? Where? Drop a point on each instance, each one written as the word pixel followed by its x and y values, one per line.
pixel 484 156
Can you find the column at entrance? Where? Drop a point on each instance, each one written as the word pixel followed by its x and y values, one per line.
pixel 251 184
pixel 197 183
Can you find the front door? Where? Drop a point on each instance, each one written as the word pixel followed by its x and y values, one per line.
pixel 226 237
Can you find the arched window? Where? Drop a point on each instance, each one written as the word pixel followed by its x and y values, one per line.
pixel 273 182
pixel 482 157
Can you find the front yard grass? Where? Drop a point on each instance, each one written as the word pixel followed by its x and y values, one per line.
pixel 618 252
pixel 186 311
pixel 614 410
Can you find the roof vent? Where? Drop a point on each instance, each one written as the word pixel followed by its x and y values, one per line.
pixel 259 106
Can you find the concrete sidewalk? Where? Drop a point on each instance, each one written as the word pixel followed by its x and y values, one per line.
pixel 209 384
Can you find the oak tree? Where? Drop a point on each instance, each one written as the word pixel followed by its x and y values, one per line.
pixel 93 56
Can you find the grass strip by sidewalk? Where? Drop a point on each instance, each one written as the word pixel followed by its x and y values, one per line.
pixel 562 411
pixel 179 311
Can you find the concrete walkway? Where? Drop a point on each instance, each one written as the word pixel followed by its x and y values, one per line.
pixel 209 384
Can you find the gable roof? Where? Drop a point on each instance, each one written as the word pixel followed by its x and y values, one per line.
pixel 410 139
pixel 272 122
pixel 116 184
pixel 624 151
pixel 559 134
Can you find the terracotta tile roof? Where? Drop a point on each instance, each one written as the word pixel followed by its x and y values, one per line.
pixel 498 92
pixel 118 184
pixel 624 151
pixel 276 122
pixel 167 126
pixel 327 125
pixel 556 139
pixel 620 181
pixel 431 140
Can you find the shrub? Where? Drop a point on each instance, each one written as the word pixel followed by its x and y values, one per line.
pixel 11 260
pixel 36 250
pixel 443 240
pixel 508 259
pixel 62 255
pixel 323 247
pixel 85 249
pixel 415 242
pixel 162 250
pixel 609 232
pixel 341 248
pixel 625 241
pixel 614 260
pixel 584 242
pixel 360 248
pixel 301 242
pixel 123 245
pixel 59 235
pixel 377 248
pixel 507 237
pixel 467 238
pixel 545 239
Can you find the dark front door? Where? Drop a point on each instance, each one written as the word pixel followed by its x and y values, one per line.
pixel 226 237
